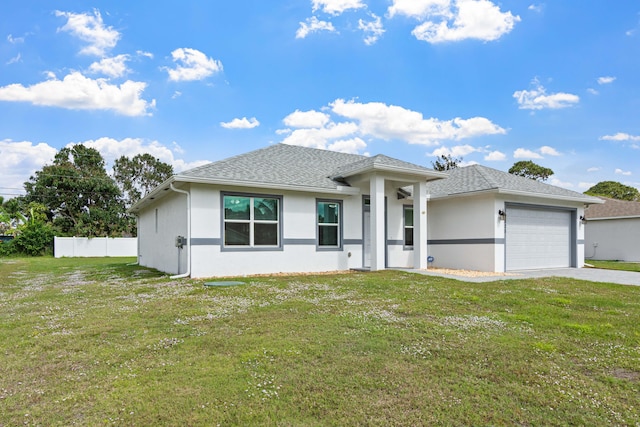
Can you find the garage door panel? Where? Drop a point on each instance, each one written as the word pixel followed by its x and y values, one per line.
pixel 537 238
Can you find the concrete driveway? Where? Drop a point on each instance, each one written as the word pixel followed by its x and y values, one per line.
pixel 590 274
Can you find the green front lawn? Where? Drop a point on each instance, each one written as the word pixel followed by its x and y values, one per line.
pixel 616 265
pixel 100 342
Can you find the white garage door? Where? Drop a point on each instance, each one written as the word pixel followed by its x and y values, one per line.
pixel 537 238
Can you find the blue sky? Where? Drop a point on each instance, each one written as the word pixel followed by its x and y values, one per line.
pixel 494 82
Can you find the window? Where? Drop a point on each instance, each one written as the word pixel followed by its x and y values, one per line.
pixel 408 226
pixel 329 224
pixel 251 221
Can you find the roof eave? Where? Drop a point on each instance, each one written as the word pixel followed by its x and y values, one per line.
pixel 339 189
pixel 613 217
pixel 583 199
pixel 152 195
pixel 395 169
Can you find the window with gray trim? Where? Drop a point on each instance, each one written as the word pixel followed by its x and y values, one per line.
pixel 329 213
pixel 408 226
pixel 251 220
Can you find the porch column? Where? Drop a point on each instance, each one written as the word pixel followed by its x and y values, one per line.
pixel 377 223
pixel 420 225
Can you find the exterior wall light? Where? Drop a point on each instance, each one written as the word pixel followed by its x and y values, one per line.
pixel 502 215
pixel 583 219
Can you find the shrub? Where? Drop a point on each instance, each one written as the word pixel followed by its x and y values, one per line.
pixel 7 248
pixel 34 238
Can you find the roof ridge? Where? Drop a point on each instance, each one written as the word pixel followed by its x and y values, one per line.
pixel 484 173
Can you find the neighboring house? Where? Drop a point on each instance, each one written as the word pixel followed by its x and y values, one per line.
pixel 286 208
pixel 294 209
pixel 484 219
pixel 613 231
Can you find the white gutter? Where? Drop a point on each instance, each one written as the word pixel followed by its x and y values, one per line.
pixel 188 272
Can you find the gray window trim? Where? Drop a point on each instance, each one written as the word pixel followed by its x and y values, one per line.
pixel 340 228
pixel 404 228
pixel 235 248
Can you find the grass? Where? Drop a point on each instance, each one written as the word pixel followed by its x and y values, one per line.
pixel 616 265
pixel 100 342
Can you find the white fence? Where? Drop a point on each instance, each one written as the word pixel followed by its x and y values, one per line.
pixel 94 247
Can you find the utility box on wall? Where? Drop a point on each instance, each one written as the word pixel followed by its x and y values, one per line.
pixel 181 241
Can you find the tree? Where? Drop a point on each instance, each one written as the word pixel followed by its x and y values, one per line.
pixel 136 177
pixel 528 169
pixel 446 162
pixel 35 236
pixel 614 190
pixel 11 215
pixel 81 199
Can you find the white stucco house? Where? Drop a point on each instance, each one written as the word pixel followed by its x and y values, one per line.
pixel 294 209
pixel 613 231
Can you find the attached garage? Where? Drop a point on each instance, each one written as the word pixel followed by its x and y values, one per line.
pixel 484 219
pixel 538 237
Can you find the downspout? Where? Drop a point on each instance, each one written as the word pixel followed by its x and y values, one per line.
pixel 188 272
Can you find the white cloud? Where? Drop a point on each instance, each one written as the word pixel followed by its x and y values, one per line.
pixel 18 161
pixel 321 137
pixel 351 146
pixel 594 169
pixel 15 40
pixel 537 98
pixel 558 183
pixel 536 7
pixel 622 172
pixel 112 67
pixel 495 156
pixel 420 9
pixel 192 65
pixel 458 20
pixel 145 54
pixel 336 7
pixel 90 29
pixel 177 148
pixel 456 151
pixel 242 123
pixel 373 29
pixel 77 92
pixel 469 163
pixel 313 25
pixel 605 80
pixel 549 151
pixel 306 119
pixel 620 136
pixel 111 149
pixel 377 120
pixel 522 153
pixel 15 59
pixel 585 185
pixel 389 122
pixel 592 91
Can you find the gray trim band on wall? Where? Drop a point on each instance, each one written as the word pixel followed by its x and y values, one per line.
pixel 299 242
pixel 488 241
pixel 293 242
pixel 353 241
pixel 201 241
pixel 580 242
pixel 395 242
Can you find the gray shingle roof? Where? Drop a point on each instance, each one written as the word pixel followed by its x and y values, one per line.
pixel 612 208
pixel 283 164
pixel 383 162
pixel 477 178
